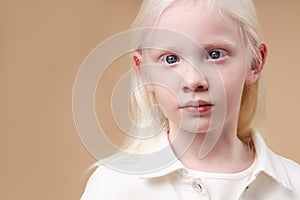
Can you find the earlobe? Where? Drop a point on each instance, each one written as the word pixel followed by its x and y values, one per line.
pixel 257 65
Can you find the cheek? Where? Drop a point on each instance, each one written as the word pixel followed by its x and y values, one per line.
pixel 233 84
pixel 234 94
pixel 164 95
pixel 166 99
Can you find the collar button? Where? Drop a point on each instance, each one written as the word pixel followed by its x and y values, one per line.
pixel 197 187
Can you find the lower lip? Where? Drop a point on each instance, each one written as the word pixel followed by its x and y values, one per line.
pixel 199 110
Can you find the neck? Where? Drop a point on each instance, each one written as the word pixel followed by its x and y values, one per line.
pixel 228 155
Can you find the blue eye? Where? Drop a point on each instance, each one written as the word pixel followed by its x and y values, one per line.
pixel 216 54
pixel 171 59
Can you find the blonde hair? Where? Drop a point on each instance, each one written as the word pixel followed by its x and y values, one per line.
pixel 242 15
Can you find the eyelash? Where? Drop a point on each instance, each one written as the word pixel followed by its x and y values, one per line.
pixel 222 53
pixel 164 57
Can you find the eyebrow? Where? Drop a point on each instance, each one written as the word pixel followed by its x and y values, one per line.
pixel 163 48
pixel 204 46
pixel 213 44
pixel 190 49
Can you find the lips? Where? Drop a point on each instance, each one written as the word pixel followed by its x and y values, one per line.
pixel 199 106
pixel 199 103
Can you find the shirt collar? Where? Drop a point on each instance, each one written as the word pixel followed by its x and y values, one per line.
pixel 269 163
pixel 266 162
pixel 176 165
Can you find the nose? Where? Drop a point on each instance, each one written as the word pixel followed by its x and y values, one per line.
pixel 193 80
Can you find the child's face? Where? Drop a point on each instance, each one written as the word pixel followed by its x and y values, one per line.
pixel 211 76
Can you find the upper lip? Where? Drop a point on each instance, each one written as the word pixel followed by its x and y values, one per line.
pixel 198 103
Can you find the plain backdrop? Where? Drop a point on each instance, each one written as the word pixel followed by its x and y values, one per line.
pixel 42 45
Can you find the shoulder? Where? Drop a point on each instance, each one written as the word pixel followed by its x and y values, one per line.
pixel 106 183
pixel 280 168
pixel 96 186
pixel 290 165
pixel 292 171
pixel 108 175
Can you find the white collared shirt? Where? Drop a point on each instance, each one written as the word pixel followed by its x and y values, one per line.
pixel 273 178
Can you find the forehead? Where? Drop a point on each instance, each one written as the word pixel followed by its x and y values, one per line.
pixel 199 23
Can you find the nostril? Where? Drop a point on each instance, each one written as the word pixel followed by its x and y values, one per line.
pixel 198 88
pixel 201 88
pixel 186 89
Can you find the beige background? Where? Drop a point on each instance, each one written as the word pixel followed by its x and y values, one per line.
pixel 43 43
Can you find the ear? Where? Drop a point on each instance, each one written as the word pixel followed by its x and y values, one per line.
pixel 137 62
pixel 257 65
pixel 137 59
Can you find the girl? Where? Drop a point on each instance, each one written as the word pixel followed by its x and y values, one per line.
pixel 198 74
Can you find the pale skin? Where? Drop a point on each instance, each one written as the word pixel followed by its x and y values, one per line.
pixel 227 52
